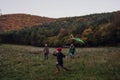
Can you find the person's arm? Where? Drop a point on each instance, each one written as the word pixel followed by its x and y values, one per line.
pixel 63 55
pixel 54 54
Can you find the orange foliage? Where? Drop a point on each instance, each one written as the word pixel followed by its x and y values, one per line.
pixel 18 21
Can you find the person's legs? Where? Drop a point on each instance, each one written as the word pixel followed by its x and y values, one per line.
pixel 57 68
pixel 46 56
pixel 67 69
pixel 71 55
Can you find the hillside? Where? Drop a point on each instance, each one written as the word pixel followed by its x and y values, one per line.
pixel 18 21
pixel 95 29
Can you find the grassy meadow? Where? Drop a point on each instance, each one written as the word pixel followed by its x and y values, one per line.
pixel 27 63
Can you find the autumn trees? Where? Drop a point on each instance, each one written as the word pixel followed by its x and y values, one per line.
pixel 96 30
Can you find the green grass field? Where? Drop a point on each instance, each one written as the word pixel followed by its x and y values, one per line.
pixel 27 63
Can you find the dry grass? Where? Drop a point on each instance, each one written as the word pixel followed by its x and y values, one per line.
pixel 27 63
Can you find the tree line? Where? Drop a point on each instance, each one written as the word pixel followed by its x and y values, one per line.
pixel 96 30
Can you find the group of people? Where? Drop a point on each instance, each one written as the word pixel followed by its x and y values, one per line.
pixel 59 56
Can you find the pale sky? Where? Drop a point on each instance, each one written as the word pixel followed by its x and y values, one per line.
pixel 58 8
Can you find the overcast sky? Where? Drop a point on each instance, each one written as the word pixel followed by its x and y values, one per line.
pixel 58 8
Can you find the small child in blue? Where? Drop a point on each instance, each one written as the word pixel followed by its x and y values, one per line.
pixel 60 57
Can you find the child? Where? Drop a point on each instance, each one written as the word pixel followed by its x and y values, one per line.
pixel 46 52
pixel 72 51
pixel 60 57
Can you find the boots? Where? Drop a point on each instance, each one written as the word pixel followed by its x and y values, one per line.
pixel 57 70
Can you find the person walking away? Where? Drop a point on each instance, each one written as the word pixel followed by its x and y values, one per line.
pixel 46 52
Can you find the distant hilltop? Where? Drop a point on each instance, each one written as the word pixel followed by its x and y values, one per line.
pixel 19 21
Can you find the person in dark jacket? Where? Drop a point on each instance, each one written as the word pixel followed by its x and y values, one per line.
pixel 46 52
pixel 59 55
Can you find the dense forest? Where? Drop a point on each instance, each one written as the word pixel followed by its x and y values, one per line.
pixel 95 29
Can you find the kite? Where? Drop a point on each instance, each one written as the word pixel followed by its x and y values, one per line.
pixel 77 39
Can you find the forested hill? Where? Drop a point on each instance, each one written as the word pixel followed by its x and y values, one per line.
pixel 96 30
pixel 19 21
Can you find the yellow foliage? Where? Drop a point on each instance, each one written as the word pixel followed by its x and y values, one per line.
pixel 86 33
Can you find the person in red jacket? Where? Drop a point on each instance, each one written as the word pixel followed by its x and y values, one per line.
pixel 59 55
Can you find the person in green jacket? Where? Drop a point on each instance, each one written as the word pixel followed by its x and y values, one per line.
pixel 72 51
